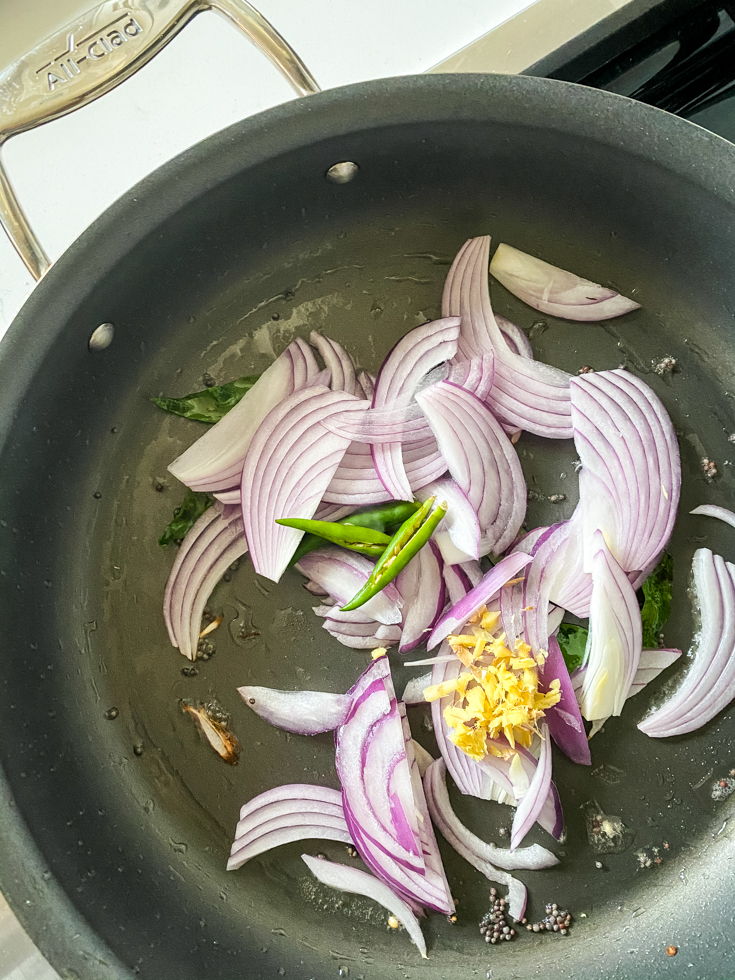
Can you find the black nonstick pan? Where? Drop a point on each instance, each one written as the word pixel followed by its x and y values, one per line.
pixel 115 816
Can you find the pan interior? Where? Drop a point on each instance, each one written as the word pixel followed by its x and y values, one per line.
pixel 139 842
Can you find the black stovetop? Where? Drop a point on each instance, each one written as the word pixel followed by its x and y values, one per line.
pixel 678 55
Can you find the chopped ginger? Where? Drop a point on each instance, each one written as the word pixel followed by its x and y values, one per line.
pixel 497 696
pixel 379 652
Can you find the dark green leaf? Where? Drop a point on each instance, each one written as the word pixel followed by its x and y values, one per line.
pixel 211 404
pixel 191 509
pixel 573 641
pixel 657 601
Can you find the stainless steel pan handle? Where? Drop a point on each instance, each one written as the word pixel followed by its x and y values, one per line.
pixel 94 54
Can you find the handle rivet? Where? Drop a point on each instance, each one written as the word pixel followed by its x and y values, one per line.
pixel 342 173
pixel 101 337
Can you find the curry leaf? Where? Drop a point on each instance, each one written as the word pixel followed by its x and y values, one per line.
pixel 657 601
pixel 572 641
pixel 211 404
pixel 190 510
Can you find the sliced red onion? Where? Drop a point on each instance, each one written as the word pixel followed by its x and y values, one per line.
pixel 313 589
pixel 556 615
pixel 202 561
pixel 338 361
pixel 516 889
pixel 302 712
pixel 229 547
pixel 533 858
pixel 553 291
pixel 571 587
pixel 190 550
pixel 460 525
pixel 357 882
pixel 533 800
pixel 631 475
pixel 526 394
pixel 614 641
pixel 421 585
pixel 343 574
pixel 721 513
pixel 350 617
pixel 367 383
pixel 379 425
pixel 230 497
pixel 386 636
pixel 427 839
pixel 515 338
pixel 293 812
pixel 332 512
pixel 289 464
pixel 481 460
pixel 379 797
pixel 473 571
pixel 564 719
pixel 476 375
pixel 709 684
pixel 356 481
pixel 422 349
pixel 413 692
pixel 488 587
pixel 457 582
pixel 214 461
pixel 650 665
pixel 423 758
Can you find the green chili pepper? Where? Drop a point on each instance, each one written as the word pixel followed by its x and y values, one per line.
pixel 384 517
pixel 408 540
pixel 363 539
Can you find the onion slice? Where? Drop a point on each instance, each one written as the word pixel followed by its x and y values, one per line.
pixel 343 574
pixel 526 394
pixel 215 544
pixel 421 585
pixel 488 587
pixel 531 858
pixel 533 800
pixel 433 784
pixel 553 291
pixel 631 475
pixel 460 524
pixel 289 464
pixel 721 513
pixel 338 361
pixel 353 880
pixel 480 458
pixel 709 684
pixel 413 692
pixel 651 664
pixel 297 811
pixel 302 712
pixel 379 796
pixel 564 719
pixel 614 641
pixel 214 461
pixel 421 350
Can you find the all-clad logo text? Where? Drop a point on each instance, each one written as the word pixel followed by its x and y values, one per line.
pixel 92 47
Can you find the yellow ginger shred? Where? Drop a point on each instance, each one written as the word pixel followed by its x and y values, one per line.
pixel 497 696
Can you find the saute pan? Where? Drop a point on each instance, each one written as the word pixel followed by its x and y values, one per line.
pixel 115 816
